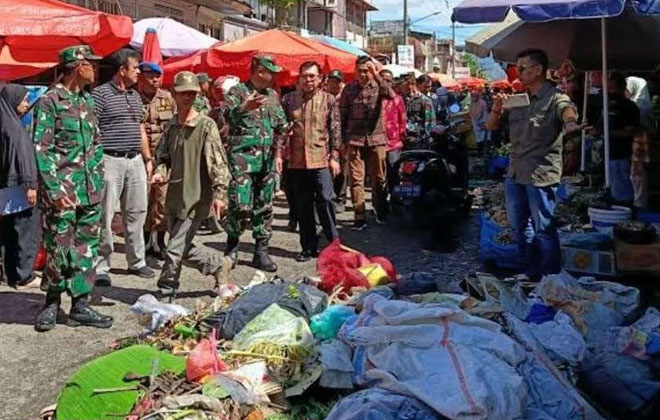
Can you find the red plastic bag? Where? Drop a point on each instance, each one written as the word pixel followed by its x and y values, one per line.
pixel 203 360
pixel 338 264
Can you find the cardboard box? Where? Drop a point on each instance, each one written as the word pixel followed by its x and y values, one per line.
pixel 587 261
pixel 637 259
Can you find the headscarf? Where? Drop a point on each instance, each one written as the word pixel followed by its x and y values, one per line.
pixel 639 94
pixel 18 165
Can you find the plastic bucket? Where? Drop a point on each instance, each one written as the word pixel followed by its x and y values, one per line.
pixel 605 219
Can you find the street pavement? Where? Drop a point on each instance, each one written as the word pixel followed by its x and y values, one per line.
pixel 34 366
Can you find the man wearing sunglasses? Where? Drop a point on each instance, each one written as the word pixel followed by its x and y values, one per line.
pixel 536 132
pixel 128 163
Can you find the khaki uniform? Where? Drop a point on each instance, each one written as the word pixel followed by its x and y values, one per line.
pixel 158 111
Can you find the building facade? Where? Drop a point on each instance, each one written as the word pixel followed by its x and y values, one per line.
pixel 228 20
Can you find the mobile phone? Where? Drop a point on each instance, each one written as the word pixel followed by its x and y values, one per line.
pixel 516 101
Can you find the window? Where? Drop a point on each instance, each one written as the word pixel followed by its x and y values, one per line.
pixel 167 11
pixel 211 30
pixel 105 6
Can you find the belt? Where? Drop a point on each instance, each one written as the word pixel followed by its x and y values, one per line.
pixel 128 155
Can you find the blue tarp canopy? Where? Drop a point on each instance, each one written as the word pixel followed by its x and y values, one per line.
pixel 339 44
pixel 485 11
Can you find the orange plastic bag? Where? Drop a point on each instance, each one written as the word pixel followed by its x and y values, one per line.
pixel 203 360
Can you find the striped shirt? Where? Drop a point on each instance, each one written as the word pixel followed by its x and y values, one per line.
pixel 119 114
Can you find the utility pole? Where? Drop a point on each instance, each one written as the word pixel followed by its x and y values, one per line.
pixel 405 22
pixel 453 49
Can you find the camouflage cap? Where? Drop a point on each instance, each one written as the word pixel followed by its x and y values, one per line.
pixel 203 77
pixel 336 74
pixel 186 81
pixel 268 62
pixel 78 52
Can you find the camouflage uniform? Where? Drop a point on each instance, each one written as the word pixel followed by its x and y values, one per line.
pixel 70 163
pixel 158 112
pixel 251 160
pixel 202 103
pixel 419 110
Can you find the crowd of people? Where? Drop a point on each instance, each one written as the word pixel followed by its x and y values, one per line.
pixel 168 162
pixel 216 153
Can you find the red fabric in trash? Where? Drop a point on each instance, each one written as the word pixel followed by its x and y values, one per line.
pixel 204 360
pixel 36 30
pixel 337 265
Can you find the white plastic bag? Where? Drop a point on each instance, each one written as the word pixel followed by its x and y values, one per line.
pixel 153 314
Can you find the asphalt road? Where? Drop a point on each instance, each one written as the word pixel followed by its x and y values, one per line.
pixel 34 366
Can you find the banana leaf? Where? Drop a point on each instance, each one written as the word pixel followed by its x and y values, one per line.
pixel 77 400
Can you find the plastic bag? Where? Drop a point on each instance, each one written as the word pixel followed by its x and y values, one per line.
pixel 371 404
pixel 503 256
pixel 275 325
pixel 204 360
pixel 327 324
pixel 338 265
pixel 152 314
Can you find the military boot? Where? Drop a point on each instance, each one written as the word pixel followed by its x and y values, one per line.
pixel 231 250
pixel 262 260
pixel 47 318
pixel 82 314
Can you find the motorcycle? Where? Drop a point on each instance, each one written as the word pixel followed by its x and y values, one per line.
pixel 431 180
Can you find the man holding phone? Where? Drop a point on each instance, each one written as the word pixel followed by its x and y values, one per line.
pixel 536 131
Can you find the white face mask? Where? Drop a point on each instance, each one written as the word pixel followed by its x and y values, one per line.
pixel 594 90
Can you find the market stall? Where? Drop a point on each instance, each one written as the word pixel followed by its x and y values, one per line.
pixel 32 32
pixel 176 39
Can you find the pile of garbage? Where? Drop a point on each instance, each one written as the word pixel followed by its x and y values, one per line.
pixel 400 347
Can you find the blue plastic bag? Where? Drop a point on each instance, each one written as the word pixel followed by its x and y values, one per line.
pixel 327 324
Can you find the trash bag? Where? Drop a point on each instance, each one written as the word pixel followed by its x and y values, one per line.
pixel 562 342
pixel 550 395
pixel 417 283
pixel 376 404
pixel 492 252
pixel 275 325
pixel 441 356
pixel 335 357
pixel 326 325
pixel 299 299
pixel 204 361
pixel 620 383
pixel 338 265
pixel 640 340
pixel 153 314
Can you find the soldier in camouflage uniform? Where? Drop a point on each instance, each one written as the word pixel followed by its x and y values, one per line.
pixel 202 102
pixel 255 118
pixel 419 110
pixel 159 107
pixel 70 163
pixel 193 154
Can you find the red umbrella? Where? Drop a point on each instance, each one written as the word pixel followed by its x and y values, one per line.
pixel 287 48
pixel 36 30
pixel 151 47
pixel 192 62
pixel 472 82
pixel 10 69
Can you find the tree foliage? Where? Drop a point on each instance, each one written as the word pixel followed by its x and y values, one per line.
pixel 287 4
pixel 472 62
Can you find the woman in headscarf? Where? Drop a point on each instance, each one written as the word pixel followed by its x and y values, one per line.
pixel 18 188
pixel 637 90
pixel 479 115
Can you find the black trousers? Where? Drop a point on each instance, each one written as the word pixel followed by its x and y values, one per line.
pixel 287 187
pixel 340 185
pixel 19 242
pixel 313 189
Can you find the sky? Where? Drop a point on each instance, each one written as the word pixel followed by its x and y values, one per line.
pixel 441 24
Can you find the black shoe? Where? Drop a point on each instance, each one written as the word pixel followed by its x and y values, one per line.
pixel 144 272
pixel 359 225
pixel 103 280
pixel 232 251
pixel 292 226
pixel 306 256
pixel 167 291
pixel 47 318
pixel 262 260
pixel 82 315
